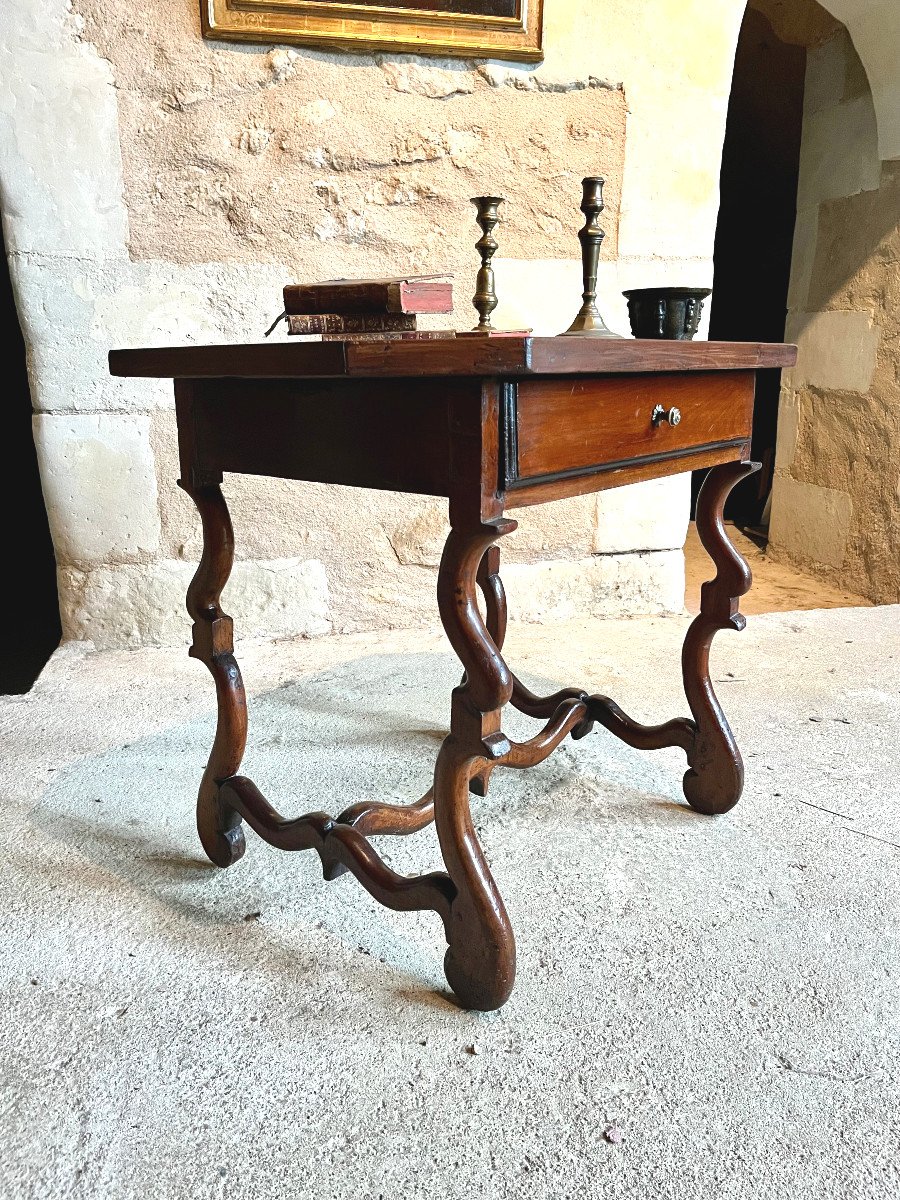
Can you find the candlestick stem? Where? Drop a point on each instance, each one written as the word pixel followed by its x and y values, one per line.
pixel 589 322
pixel 485 298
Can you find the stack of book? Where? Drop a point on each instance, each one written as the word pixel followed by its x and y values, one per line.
pixel 366 309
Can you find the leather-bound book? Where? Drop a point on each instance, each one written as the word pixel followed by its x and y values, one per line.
pixel 350 322
pixel 421 294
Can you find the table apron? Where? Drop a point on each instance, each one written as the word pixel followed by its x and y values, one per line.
pixel 525 441
pixel 383 434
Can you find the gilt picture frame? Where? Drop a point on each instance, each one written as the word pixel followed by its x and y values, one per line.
pixel 504 29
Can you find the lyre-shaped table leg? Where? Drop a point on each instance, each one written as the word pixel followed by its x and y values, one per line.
pixel 494 594
pixel 715 780
pixel 481 960
pixel 212 642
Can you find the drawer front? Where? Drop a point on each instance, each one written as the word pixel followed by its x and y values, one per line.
pixel 562 427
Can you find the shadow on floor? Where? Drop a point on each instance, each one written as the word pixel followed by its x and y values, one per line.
pixel 125 818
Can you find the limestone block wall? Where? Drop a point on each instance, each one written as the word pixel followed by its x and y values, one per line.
pixel 836 499
pixel 873 27
pixel 156 188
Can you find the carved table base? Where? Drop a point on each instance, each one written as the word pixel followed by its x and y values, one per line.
pixel 480 959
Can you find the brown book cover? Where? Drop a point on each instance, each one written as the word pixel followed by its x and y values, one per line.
pixel 414 335
pixel 350 323
pixel 421 294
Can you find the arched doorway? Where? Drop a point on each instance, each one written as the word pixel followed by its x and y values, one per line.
pixel 755 232
pixel 801 152
pixel 31 630
pixel 835 504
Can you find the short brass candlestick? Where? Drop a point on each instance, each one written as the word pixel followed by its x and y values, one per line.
pixel 589 323
pixel 485 298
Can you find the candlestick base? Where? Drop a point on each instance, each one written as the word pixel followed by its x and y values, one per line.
pixel 494 333
pixel 590 325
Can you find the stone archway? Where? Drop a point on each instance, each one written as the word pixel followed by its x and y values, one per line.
pixel 874 27
pixel 835 501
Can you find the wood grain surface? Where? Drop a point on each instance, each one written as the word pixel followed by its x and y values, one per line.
pixel 464 356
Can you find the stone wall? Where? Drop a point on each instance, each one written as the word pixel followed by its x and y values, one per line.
pixel 836 500
pixel 156 188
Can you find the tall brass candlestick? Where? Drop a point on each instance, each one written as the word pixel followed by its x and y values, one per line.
pixel 589 323
pixel 485 298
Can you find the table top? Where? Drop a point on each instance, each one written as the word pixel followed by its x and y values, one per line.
pixel 506 356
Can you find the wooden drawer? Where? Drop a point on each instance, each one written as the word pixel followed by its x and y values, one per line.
pixel 565 427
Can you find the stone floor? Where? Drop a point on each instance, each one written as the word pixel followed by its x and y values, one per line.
pixel 722 992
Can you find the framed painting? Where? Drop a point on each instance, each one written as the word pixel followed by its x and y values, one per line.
pixel 508 29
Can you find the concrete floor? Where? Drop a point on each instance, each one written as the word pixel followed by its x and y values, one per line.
pixel 723 991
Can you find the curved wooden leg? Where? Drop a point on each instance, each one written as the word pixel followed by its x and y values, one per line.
pixel 481 959
pixel 341 848
pixel 495 612
pixel 218 825
pixel 715 780
pixel 522 699
pixel 494 595
pixel 376 817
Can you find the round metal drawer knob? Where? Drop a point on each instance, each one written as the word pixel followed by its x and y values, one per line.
pixel 669 416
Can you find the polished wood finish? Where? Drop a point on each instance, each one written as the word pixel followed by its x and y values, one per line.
pixel 561 487
pixel 716 777
pixel 488 356
pixel 341 848
pixel 326 431
pixel 489 426
pixel 568 427
pixel 481 957
pixel 213 644
pixel 555 356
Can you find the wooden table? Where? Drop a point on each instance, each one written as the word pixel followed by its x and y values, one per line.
pixel 486 423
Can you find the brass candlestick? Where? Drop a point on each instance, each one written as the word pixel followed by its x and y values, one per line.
pixel 485 298
pixel 589 323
